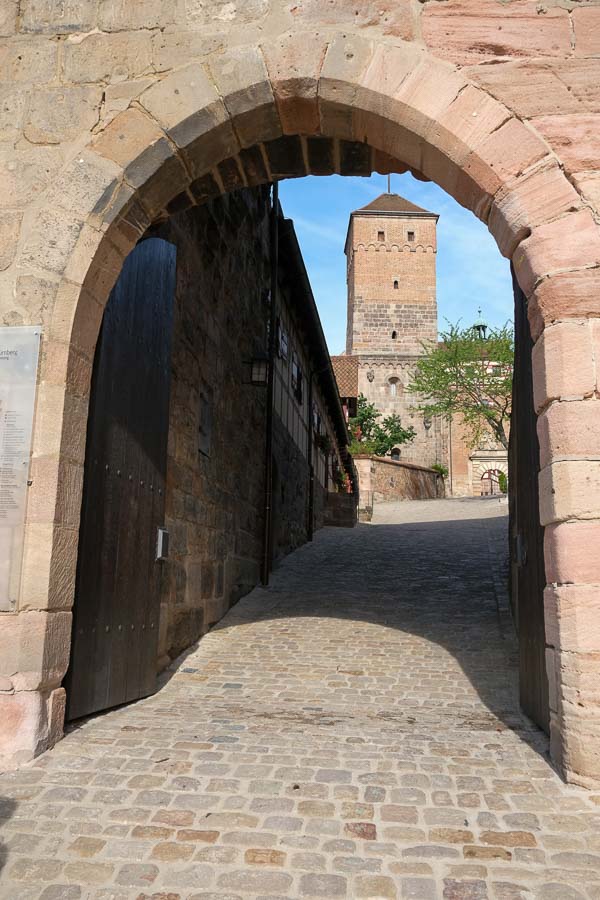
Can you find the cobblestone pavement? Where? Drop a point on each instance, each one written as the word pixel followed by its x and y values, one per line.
pixel 350 732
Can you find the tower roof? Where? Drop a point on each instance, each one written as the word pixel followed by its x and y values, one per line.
pixel 394 204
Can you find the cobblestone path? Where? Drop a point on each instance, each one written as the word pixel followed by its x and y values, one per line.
pixel 350 732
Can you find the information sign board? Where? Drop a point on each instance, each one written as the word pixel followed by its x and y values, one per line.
pixel 19 351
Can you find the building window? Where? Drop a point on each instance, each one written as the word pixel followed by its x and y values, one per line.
pixel 394 335
pixel 381 236
pixel 282 341
pixel 395 285
pixel 296 378
pixel 411 236
pixel 393 384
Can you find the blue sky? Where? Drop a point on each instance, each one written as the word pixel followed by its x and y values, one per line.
pixel 470 270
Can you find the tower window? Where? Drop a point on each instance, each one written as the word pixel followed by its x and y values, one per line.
pixel 394 335
pixel 381 236
pixel 393 384
pixel 411 235
pixel 395 285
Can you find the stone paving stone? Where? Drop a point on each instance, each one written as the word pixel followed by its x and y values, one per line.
pixel 351 731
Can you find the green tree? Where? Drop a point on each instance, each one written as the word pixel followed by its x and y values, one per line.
pixel 373 437
pixel 467 375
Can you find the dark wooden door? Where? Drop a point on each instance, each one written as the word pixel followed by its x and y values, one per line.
pixel 115 617
pixel 526 533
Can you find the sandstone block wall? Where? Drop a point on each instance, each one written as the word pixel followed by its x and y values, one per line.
pixel 215 472
pixel 387 389
pixel 113 115
pixel 384 480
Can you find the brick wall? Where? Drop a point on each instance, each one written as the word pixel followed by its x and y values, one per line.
pixel 391 285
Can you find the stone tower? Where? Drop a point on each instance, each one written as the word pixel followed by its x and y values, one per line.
pixel 391 251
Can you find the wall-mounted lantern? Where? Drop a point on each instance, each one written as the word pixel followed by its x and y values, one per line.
pixel 370 375
pixel 259 370
pixel 426 423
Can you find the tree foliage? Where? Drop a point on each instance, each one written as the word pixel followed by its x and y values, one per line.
pixel 370 436
pixel 466 375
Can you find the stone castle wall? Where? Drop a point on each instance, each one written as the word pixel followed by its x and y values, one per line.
pixel 388 391
pixel 386 480
pixel 215 471
pixel 115 114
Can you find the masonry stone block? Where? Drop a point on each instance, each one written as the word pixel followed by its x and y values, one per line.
pixel 173 48
pixel 61 114
pixel 564 295
pixel 58 16
pixel 10 224
pixel 242 81
pixel 294 63
pixel 570 552
pixel 528 87
pixel 186 104
pixel 467 32
pixel 588 185
pixel 8 18
pixel 504 155
pixel 346 60
pixel 55 492
pixel 49 563
pixel 573 138
pixel 569 490
pixel 563 366
pixel 135 143
pixel 120 15
pixel 586 25
pixel 222 15
pixel 572 617
pixel 35 297
pixel 25 173
pixel 86 184
pixel 471 118
pixel 571 242
pixel 396 18
pixel 50 236
pixel 540 194
pixel 12 112
pixel 35 648
pixel 577 738
pixel 569 429
pixel 107 57
pixel 25 731
pixel 34 61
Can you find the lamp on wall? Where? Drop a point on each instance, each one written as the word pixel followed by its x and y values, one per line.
pixel 259 370
pixel 427 423
pixel 370 375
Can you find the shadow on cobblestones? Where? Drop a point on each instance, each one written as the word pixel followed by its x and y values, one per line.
pixel 419 587
pixel 352 731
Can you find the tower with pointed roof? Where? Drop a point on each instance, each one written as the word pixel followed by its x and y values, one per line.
pixel 391 250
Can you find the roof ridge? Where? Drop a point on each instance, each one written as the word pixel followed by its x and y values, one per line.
pixel 392 203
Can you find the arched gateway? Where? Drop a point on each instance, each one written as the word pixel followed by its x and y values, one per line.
pixel 139 113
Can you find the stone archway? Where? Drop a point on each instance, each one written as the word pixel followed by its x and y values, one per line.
pixel 309 103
